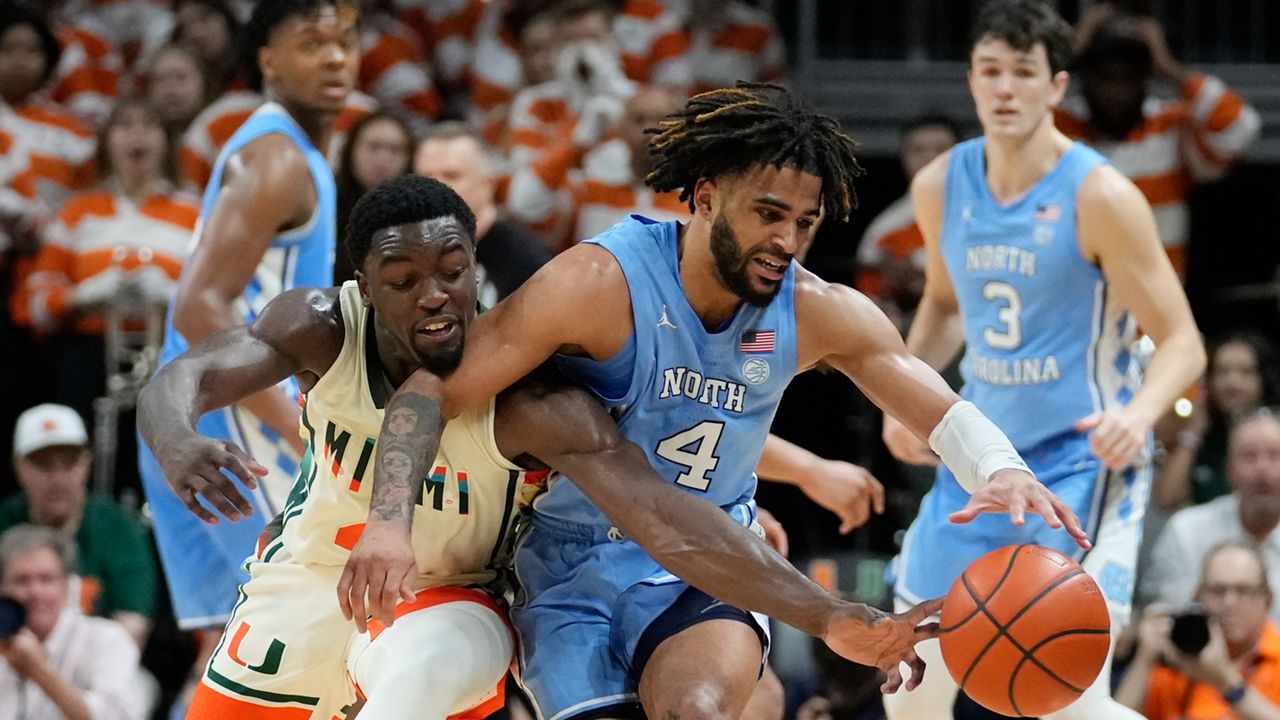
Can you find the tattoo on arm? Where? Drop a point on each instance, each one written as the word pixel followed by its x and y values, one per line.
pixel 407 446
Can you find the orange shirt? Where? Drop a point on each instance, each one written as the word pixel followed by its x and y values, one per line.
pixel 87 79
pixel 394 69
pixel 45 155
pixel 1172 696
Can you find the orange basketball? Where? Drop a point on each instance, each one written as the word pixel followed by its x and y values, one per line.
pixel 1024 630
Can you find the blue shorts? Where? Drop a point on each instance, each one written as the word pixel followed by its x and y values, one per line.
pixel 593 606
pixel 204 564
pixel 1110 505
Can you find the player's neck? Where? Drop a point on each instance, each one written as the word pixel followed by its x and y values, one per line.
pixel 709 298
pixel 1014 165
pixel 317 125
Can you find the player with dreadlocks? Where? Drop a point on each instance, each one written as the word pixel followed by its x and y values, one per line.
pixel 690 333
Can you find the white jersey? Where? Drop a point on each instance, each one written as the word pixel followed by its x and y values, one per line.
pixel 462 525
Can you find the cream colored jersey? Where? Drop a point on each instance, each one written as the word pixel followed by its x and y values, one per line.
pixel 462 525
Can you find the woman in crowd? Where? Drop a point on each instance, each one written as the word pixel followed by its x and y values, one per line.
pixel 177 86
pixel 1242 377
pixel 379 148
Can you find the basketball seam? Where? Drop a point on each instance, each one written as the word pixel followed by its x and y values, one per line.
pixel 1017 668
pixel 1007 570
pixel 1002 629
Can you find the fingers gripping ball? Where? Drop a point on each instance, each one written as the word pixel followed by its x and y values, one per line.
pixel 1024 630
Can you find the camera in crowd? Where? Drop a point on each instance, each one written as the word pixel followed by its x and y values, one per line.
pixel 1190 631
pixel 13 615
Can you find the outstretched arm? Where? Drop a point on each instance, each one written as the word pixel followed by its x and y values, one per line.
pixel 298 332
pixel 845 489
pixel 697 541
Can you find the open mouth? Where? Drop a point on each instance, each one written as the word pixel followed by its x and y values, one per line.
pixel 437 330
pixel 771 268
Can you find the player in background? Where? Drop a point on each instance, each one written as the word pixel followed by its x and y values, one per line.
pixel 1041 257
pixel 266 226
pixel 693 331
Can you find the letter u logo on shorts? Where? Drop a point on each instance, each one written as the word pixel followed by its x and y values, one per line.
pixel 270 664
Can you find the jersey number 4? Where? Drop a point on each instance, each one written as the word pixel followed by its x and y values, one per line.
pixel 1009 316
pixel 695 449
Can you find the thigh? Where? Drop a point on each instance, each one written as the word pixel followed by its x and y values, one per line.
pixel 706 671
pixel 285 644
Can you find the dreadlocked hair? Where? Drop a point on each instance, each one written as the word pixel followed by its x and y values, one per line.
pixel 727 132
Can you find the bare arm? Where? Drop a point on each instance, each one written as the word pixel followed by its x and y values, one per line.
pixel 937 333
pixel 298 332
pixel 687 535
pixel 848 490
pixel 577 303
pixel 1118 232
pixel 267 189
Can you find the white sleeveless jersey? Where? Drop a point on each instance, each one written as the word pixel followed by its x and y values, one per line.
pixel 467 505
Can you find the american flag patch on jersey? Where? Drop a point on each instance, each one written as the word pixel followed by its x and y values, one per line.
pixel 1047 213
pixel 757 341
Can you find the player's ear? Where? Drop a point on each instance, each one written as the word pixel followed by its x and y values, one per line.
pixel 267 64
pixel 1061 80
pixel 703 195
pixel 364 288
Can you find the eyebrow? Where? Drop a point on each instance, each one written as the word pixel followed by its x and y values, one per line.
pixel 774 202
pixel 1019 58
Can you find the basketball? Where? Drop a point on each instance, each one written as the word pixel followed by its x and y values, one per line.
pixel 1024 630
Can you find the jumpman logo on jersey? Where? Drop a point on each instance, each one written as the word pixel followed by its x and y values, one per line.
pixel 664 322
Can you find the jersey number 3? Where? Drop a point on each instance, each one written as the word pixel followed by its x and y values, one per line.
pixel 695 449
pixel 1009 316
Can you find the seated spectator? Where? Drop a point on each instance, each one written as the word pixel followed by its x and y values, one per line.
pixel 60 664
pixel 506 254
pixel 117 250
pixel 1163 146
pixel 1249 514
pixel 891 256
pixel 88 77
pixel 212 30
pixel 177 87
pixel 378 150
pixel 1243 375
pixel 447 31
pixel 45 152
pixel 728 41
pixel 595 187
pixel 116 566
pixel 1237 674
pixel 138 27
pixel 394 69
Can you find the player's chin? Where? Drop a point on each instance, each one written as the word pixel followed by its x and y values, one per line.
pixel 440 359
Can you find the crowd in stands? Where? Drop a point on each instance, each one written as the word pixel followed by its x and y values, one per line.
pixel 112 113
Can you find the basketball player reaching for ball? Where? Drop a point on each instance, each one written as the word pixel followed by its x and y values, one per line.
pixel 290 642
pixel 1040 257
pixel 691 333
pixel 266 226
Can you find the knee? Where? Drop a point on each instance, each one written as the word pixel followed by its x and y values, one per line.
pixel 704 701
pixel 768 700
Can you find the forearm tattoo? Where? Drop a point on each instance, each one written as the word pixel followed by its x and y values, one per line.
pixel 407 446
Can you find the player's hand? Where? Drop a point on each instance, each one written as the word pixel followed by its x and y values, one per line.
pixel 847 490
pixel 196 467
pixel 381 568
pixel 884 640
pixel 1016 492
pixel 774 533
pixel 905 445
pixel 1115 437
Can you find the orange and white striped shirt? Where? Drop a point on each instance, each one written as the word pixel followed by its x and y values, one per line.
pixel 87 79
pixel 215 125
pixel 447 29
pixel 45 155
pixel 97 231
pixel 1194 139
pixel 394 70
pixel 742 44
pixel 594 196
pixel 655 45
pixel 892 249
pixel 136 27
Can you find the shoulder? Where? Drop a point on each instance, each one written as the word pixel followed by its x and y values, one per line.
pixel 928 188
pixel 304 322
pixel 101 511
pixel 1192 522
pixel 823 306
pixel 13 511
pixel 1106 189
pixel 110 636
pixel 54 116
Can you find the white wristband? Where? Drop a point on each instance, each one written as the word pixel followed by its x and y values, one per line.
pixel 972 446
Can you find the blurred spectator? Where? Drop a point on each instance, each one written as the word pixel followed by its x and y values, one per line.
pixel 45 153
pixel 116 249
pixel 727 40
pixel 891 257
pixel 655 41
pixel 87 78
pixel 378 150
pixel 1163 146
pixel 116 569
pixel 506 254
pixel 212 29
pixel 394 68
pixel 177 87
pixel 1243 375
pixel 60 664
pixel 595 187
pixel 447 29
pixel 138 27
pixel 1237 674
pixel 1250 514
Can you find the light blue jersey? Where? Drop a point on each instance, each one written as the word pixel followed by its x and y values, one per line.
pixel 699 403
pixel 203 562
pixel 1047 344
pixel 594 605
